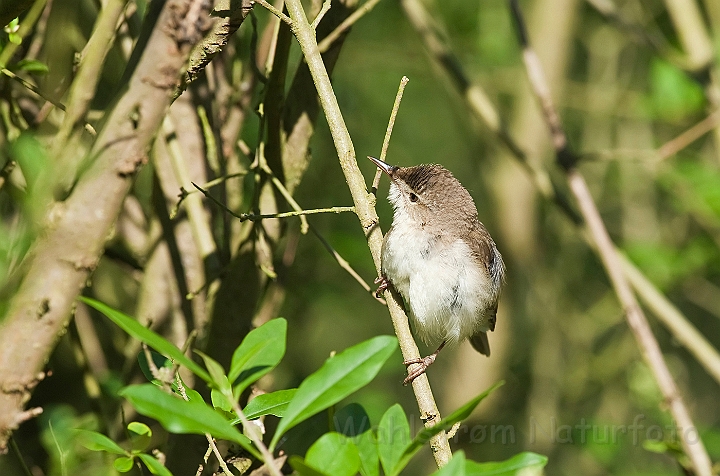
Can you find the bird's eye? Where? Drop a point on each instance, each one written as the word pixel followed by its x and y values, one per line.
pixel 413 198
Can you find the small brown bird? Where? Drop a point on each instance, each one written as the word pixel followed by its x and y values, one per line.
pixel 441 259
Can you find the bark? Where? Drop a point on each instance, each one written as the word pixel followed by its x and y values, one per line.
pixel 74 237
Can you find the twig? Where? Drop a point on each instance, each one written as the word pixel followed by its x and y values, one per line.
pixel 233 14
pixel 82 89
pixel 275 11
pixel 196 213
pixel 633 312
pixel 388 131
pixel 253 217
pixel 208 436
pixel 345 265
pixel 325 8
pixel 677 144
pixel 304 225
pixel 681 329
pixel 341 261
pixel 365 210
pixel 328 41
pixel 251 430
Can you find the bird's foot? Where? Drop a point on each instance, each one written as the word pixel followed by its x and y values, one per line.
pixel 383 283
pixel 423 364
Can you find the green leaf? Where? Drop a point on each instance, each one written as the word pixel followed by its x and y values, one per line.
pixel 339 376
pixel 220 401
pixel 221 390
pixel 353 421
pixel 154 465
pixel 368 450
pixel 299 465
pixel 393 436
pixel 123 464
pixel 531 464
pixel 674 94
pixel 140 435
pixel 274 403
pixel 179 416
pixel 446 423
pixel 138 331
pixel 95 441
pixel 455 467
pixel 31 66
pixel 334 453
pixel 217 372
pixel 260 351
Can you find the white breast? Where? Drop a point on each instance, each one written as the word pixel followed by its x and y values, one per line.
pixel 446 294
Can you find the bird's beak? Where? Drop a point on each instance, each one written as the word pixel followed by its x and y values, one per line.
pixel 385 167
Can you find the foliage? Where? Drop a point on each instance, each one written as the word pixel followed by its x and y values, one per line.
pixel 183 410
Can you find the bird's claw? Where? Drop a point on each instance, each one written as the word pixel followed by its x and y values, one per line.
pixel 423 364
pixel 384 283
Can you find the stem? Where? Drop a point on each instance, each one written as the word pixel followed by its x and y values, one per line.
pixel 365 210
pixel 388 131
pixel 251 429
pixel 328 41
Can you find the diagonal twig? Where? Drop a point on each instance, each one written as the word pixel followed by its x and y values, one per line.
pixel 388 131
pixel 611 261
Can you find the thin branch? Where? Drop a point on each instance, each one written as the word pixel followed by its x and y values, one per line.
pixel 28 85
pixel 216 452
pixel 365 210
pixel 633 312
pixel 677 144
pixel 232 14
pixel 253 217
pixel 208 436
pixel 668 314
pixel 328 41
pixel 202 234
pixel 304 225
pixel 388 131
pixel 275 12
pixel 251 430
pixel 82 89
pixel 341 261
pixel 325 8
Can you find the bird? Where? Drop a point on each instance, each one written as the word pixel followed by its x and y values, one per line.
pixel 441 259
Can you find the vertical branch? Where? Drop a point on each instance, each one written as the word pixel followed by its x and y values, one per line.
pixel 611 261
pixel 365 209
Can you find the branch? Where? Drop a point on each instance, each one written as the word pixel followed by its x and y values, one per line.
pixel 365 210
pixel 328 41
pixel 232 14
pixel 60 261
pixel 611 261
pixel 388 131
pixel 253 217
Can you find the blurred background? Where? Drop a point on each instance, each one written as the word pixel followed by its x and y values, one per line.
pixel 627 80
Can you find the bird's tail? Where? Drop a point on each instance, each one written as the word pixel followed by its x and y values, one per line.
pixel 480 342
